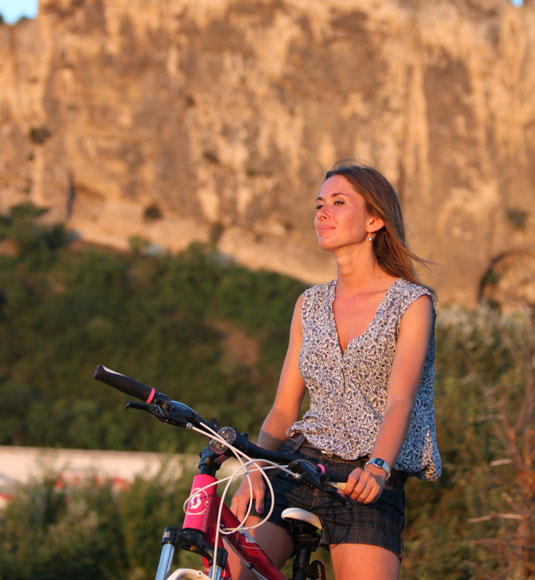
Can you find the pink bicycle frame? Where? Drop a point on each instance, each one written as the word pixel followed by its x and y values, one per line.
pixel 201 515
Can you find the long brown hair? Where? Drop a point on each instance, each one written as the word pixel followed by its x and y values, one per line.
pixel 389 246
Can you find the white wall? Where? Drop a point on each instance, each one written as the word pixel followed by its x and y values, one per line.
pixel 24 464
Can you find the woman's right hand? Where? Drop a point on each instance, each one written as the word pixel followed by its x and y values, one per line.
pixel 242 498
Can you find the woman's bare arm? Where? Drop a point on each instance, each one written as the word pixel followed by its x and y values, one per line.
pixel 411 349
pixel 283 414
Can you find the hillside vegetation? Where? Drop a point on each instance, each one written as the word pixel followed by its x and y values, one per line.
pixel 213 334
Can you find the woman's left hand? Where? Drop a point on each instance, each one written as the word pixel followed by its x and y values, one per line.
pixel 365 485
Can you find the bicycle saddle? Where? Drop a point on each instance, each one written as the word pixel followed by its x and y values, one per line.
pixel 293 513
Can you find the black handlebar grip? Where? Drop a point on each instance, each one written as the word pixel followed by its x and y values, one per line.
pixel 331 474
pixel 123 383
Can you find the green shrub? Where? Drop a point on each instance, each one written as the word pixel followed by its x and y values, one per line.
pixel 89 530
pixel 474 523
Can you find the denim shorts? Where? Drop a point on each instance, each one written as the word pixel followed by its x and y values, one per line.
pixel 379 524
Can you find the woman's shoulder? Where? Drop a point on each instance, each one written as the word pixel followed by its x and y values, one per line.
pixel 318 294
pixel 406 287
pixel 324 289
pixel 406 292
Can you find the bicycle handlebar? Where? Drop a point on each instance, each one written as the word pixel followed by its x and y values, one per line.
pixel 125 384
pixel 324 473
pixel 181 415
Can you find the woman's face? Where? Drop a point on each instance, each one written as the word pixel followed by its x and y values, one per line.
pixel 341 215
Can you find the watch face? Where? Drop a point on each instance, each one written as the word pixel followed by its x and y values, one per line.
pixel 380 463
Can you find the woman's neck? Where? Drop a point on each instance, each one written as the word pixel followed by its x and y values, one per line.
pixel 360 275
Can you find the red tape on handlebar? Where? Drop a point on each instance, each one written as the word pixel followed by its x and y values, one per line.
pixel 151 396
pixel 321 468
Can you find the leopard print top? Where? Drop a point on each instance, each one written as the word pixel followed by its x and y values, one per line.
pixel 348 390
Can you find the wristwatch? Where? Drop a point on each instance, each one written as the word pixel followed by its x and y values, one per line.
pixel 381 464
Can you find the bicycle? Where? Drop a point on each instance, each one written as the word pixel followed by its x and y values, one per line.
pixel 209 525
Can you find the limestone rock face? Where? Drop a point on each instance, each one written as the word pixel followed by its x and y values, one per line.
pixel 182 120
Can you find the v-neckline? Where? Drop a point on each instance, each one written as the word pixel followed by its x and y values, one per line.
pixel 359 336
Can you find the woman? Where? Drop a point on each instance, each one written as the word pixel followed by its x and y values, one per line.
pixel 363 346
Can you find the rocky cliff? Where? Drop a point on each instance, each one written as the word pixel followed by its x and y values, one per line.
pixel 181 120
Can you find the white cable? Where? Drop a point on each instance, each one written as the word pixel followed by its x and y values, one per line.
pixel 241 470
pixel 208 431
pixel 241 525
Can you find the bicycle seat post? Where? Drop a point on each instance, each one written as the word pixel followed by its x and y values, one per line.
pixel 305 528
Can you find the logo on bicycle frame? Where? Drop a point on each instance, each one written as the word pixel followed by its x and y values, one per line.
pixel 198 503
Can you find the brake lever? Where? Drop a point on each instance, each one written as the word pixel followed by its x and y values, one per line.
pixel 310 475
pixel 334 489
pixel 152 409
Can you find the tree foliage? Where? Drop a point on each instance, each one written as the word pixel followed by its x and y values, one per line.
pixel 62 311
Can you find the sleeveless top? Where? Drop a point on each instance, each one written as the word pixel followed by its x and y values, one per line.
pixel 348 390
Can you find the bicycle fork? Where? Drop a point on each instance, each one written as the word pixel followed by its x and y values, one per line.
pixel 169 544
pixel 173 538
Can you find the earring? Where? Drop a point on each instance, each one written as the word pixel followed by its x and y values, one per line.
pixel 371 239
